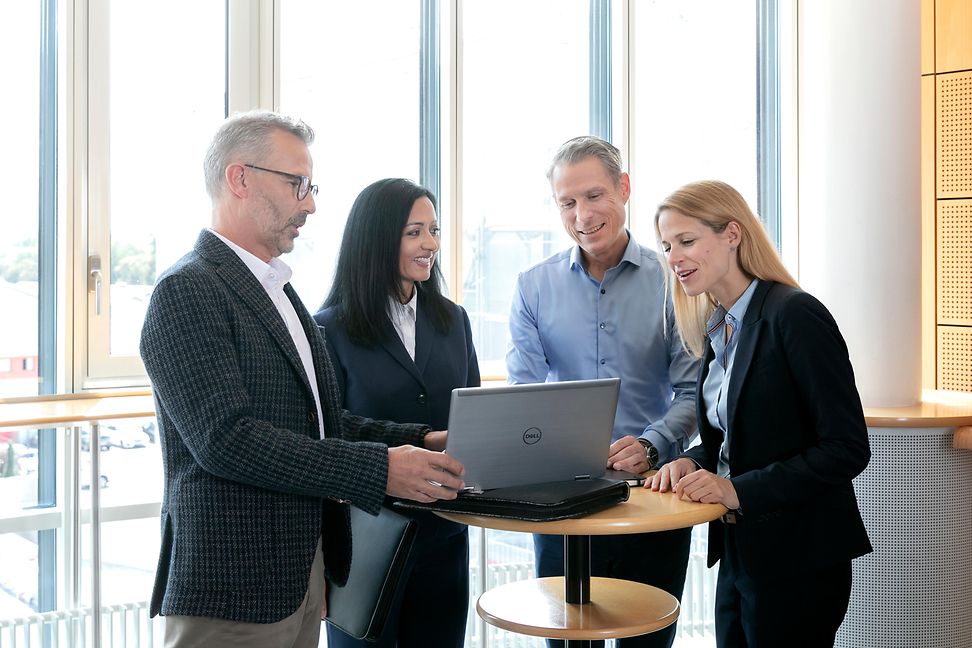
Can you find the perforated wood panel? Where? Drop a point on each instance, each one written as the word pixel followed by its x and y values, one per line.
pixel 955 358
pixel 954 262
pixel 955 135
pixel 915 589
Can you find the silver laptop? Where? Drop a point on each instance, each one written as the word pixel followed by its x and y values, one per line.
pixel 525 434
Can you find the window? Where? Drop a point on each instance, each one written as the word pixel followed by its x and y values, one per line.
pixel 525 92
pixel 20 49
pixel 153 108
pixel 694 97
pixel 517 79
pixel 359 90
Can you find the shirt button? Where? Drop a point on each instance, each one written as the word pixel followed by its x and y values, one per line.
pixel 421 399
pixel 603 361
pixel 311 417
pixel 603 291
pixel 602 325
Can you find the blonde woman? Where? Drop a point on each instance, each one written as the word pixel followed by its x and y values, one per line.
pixel 781 424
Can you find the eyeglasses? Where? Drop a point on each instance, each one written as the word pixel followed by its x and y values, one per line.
pixel 301 183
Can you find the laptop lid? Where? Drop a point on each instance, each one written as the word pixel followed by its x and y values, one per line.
pixel 526 434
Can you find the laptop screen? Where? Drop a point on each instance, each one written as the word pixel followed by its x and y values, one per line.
pixel 524 434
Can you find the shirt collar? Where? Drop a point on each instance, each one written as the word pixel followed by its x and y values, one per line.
pixel 408 309
pixel 735 314
pixel 271 275
pixel 632 254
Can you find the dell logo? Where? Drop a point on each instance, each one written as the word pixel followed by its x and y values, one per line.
pixel 532 435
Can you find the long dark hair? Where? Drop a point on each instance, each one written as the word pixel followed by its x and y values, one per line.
pixel 367 273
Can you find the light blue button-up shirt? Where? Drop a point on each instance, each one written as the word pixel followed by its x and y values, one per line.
pixel 566 325
pixel 715 389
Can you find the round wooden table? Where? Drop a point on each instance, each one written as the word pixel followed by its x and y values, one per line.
pixel 576 607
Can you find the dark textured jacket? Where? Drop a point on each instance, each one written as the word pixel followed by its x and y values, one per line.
pixel 249 484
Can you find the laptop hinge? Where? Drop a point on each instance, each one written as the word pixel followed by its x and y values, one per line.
pixel 579 477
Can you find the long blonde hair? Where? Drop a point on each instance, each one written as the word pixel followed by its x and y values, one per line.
pixel 717 204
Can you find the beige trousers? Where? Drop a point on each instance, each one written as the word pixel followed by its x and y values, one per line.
pixel 301 629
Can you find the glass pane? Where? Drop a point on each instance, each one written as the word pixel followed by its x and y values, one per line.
pixel 129 555
pixel 20 565
pixel 694 97
pixel 525 91
pixel 19 575
pixel 166 102
pixel 359 90
pixel 130 470
pixel 20 70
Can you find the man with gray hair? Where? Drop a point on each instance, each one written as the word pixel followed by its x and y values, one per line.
pixel 260 460
pixel 598 310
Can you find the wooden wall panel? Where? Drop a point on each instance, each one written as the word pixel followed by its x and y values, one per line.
pixel 954 241
pixel 953 153
pixel 928 36
pixel 953 35
pixel 955 358
pixel 928 323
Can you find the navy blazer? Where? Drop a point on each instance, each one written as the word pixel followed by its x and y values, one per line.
pixel 797 438
pixel 249 484
pixel 384 382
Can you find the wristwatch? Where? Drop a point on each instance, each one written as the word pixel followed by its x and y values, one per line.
pixel 651 453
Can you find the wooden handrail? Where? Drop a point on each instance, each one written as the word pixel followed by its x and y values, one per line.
pixel 71 409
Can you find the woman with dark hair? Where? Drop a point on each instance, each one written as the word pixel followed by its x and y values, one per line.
pixel 399 348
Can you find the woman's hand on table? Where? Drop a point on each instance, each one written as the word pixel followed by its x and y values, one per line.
pixel 668 475
pixel 706 487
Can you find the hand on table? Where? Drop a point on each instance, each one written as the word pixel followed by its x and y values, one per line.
pixel 668 475
pixel 708 488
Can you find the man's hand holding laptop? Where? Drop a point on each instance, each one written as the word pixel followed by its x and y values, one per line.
pixel 422 475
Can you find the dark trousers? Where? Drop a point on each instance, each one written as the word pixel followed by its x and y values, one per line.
pixel 801 611
pixel 658 559
pixel 431 612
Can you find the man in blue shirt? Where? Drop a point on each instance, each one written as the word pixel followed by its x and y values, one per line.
pixel 599 310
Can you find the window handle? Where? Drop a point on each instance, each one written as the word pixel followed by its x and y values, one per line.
pixel 94 280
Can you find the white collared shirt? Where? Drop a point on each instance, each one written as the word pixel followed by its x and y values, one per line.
pixel 403 318
pixel 273 277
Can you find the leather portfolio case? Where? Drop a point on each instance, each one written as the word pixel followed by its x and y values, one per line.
pixel 542 502
pixel 381 547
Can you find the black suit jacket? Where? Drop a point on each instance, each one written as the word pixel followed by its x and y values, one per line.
pixel 249 483
pixel 384 382
pixel 797 438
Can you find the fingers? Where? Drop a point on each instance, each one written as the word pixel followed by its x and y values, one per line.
pixel 446 463
pixel 708 488
pixel 627 454
pixel 435 441
pixel 622 449
pixel 669 475
pixel 662 480
pixel 421 475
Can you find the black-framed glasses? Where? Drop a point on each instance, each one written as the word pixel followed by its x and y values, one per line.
pixel 301 183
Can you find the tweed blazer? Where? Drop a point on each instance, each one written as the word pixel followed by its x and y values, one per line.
pixel 797 437
pixel 249 484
